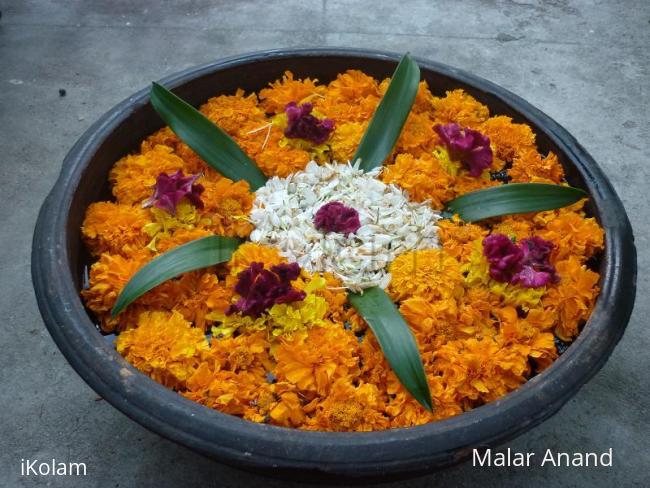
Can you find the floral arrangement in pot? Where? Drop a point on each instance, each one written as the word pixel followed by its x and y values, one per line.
pixel 354 256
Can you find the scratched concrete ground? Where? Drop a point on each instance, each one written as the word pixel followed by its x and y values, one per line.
pixel 585 63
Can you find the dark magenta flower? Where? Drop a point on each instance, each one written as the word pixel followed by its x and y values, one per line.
pixel 536 266
pixel 301 124
pixel 527 264
pixel 503 255
pixel 260 288
pixel 468 146
pixel 170 189
pixel 336 217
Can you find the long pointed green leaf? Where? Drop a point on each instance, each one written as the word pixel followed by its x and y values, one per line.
pixel 205 138
pixel 197 254
pixel 396 341
pixel 513 198
pixel 390 116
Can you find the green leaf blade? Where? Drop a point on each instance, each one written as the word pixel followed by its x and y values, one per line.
pixel 396 341
pixel 211 143
pixel 391 114
pixel 194 255
pixel 513 198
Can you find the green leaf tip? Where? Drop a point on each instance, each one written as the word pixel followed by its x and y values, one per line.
pixel 513 198
pixel 396 341
pixel 209 141
pixel 388 120
pixel 194 255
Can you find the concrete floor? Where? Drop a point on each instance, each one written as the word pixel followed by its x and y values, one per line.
pixel 585 63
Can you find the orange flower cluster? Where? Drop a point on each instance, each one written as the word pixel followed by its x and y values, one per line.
pixel 314 364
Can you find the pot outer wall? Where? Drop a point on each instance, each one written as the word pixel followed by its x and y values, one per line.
pixel 58 260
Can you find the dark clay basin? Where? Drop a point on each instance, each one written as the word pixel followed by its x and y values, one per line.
pixel 58 260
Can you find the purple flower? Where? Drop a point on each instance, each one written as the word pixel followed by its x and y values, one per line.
pixel 169 190
pixel 503 255
pixel 336 217
pixel 468 146
pixel 260 288
pixel 536 266
pixel 301 124
pixel 527 264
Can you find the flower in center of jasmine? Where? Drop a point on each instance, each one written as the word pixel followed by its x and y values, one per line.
pixel 336 217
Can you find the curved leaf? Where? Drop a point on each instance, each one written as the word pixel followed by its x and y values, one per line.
pixel 197 254
pixel 396 341
pixel 513 198
pixel 389 118
pixel 211 143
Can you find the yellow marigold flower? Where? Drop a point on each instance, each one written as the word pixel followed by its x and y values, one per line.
pixel 431 274
pixel 423 178
pixel 350 408
pixel 529 165
pixel 457 237
pixel 165 225
pixel 345 140
pixel 459 107
pixel 226 206
pixel 114 228
pixel 573 298
pixel 508 139
pixel 164 346
pixel 133 177
pixel 315 359
pixel 283 319
pixel 288 89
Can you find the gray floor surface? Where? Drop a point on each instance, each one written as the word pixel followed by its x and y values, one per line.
pixel 585 63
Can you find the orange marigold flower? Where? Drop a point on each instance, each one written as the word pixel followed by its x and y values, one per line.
pixel 242 393
pixel 107 278
pixel 457 238
pixel 275 159
pixel 288 411
pixel 231 112
pixel 508 139
pixel 288 89
pixel 573 298
pixel 226 205
pixel 417 136
pixel 315 359
pixel 573 235
pixel 459 107
pixel 431 274
pixel 423 178
pixel 245 352
pixel 114 228
pixel 164 346
pixel 345 140
pixel 352 86
pixel 350 408
pixel 179 237
pixel 133 177
pixel 481 370
pixel 434 323
pixel 529 165
pixel 249 253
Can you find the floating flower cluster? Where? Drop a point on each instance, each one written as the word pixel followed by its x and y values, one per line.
pixel 487 303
